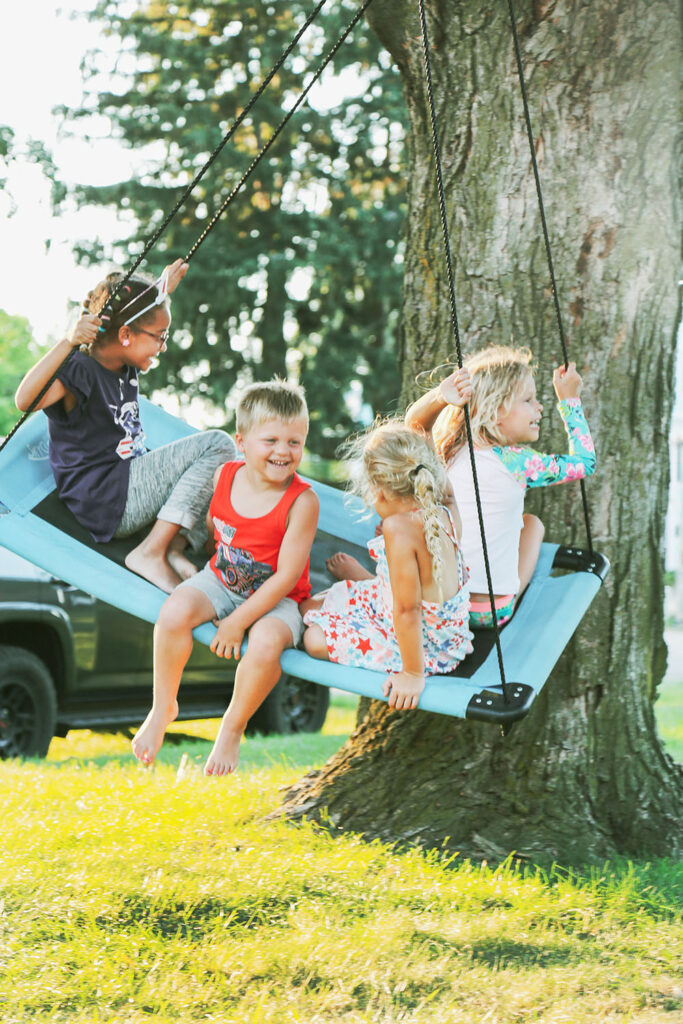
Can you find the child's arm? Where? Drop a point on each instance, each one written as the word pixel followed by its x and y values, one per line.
pixel 454 390
pixel 400 535
pixel 452 506
pixel 210 546
pixel 294 552
pixel 37 377
pixel 534 469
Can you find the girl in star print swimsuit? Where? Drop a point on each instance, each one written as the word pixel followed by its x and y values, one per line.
pixel 411 619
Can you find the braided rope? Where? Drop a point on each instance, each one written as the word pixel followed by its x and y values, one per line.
pixel 187 191
pixel 546 238
pixel 264 149
pixel 456 330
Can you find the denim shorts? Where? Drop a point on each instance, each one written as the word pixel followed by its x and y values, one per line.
pixel 225 601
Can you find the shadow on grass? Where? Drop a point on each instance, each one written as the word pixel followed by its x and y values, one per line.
pixel 298 752
pixel 500 954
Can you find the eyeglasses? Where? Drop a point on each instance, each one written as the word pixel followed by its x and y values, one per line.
pixel 160 338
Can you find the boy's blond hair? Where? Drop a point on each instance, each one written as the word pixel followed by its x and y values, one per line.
pixel 401 461
pixel 274 399
pixel 498 373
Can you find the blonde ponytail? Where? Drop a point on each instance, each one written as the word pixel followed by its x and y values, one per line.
pixel 403 462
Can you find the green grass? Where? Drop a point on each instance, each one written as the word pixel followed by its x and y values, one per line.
pixel 669 711
pixel 130 896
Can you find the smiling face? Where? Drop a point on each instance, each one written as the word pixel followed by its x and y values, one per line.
pixel 519 423
pixel 146 341
pixel 274 448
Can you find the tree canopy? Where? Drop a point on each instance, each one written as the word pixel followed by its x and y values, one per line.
pixel 17 356
pixel 583 776
pixel 15 149
pixel 303 274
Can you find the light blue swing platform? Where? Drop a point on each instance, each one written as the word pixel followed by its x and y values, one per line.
pixel 562 588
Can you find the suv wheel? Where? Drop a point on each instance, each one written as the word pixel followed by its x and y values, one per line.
pixel 28 704
pixel 294 705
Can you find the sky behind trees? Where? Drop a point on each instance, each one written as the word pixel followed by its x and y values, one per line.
pixel 41 48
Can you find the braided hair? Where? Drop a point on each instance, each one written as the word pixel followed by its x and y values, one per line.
pixel 132 299
pixel 403 462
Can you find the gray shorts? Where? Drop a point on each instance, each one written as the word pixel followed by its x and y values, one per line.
pixel 225 601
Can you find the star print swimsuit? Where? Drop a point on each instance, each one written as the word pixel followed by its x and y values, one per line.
pixel 357 620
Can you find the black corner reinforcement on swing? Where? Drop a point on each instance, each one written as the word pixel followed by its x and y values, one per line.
pixel 493 706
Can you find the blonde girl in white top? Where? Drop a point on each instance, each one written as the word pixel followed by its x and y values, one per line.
pixel 505 416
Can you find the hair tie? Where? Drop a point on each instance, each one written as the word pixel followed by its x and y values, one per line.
pixel 417 469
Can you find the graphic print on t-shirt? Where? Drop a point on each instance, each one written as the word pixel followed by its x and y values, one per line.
pixel 240 572
pixel 128 418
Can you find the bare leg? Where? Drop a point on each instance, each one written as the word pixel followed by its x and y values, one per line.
pixel 315 643
pixel 530 542
pixel 257 673
pixel 179 615
pixel 177 558
pixel 346 567
pixel 313 603
pixel 148 559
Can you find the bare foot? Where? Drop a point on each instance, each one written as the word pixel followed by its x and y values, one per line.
pixel 149 737
pixel 346 567
pixel 178 560
pixel 225 752
pixel 154 568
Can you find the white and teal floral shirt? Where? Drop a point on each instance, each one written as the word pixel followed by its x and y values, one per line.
pixel 504 474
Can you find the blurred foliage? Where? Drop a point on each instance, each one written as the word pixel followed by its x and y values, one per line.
pixel 17 355
pixel 302 276
pixel 14 149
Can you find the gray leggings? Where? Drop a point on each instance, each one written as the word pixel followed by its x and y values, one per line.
pixel 175 483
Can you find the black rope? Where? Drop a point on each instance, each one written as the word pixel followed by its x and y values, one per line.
pixel 456 332
pixel 546 238
pixel 264 149
pixel 221 145
pixel 180 202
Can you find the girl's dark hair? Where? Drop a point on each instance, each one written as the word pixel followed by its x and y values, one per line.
pixel 135 295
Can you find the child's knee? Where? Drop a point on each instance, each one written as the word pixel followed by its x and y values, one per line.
pixel 175 614
pixel 315 643
pixel 220 441
pixel 268 638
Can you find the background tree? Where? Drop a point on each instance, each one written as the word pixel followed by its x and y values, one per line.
pixel 584 775
pixel 303 273
pixel 24 150
pixel 18 353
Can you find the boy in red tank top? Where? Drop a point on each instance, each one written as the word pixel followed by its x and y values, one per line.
pixel 263 517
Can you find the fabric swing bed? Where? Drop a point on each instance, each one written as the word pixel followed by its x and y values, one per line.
pixel 36 525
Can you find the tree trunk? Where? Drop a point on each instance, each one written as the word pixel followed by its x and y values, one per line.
pixel 584 776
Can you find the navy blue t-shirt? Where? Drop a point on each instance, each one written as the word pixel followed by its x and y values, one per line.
pixel 91 446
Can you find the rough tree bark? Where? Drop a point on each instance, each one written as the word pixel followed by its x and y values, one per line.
pixel 584 775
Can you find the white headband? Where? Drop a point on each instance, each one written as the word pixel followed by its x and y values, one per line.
pixel 161 286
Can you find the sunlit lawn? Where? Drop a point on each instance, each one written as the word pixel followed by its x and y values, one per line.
pixel 669 710
pixel 130 895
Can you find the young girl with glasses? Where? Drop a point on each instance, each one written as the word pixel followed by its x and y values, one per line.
pixel 103 471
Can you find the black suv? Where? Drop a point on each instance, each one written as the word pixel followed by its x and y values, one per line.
pixel 69 661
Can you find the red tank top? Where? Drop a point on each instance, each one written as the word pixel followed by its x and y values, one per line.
pixel 247 550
